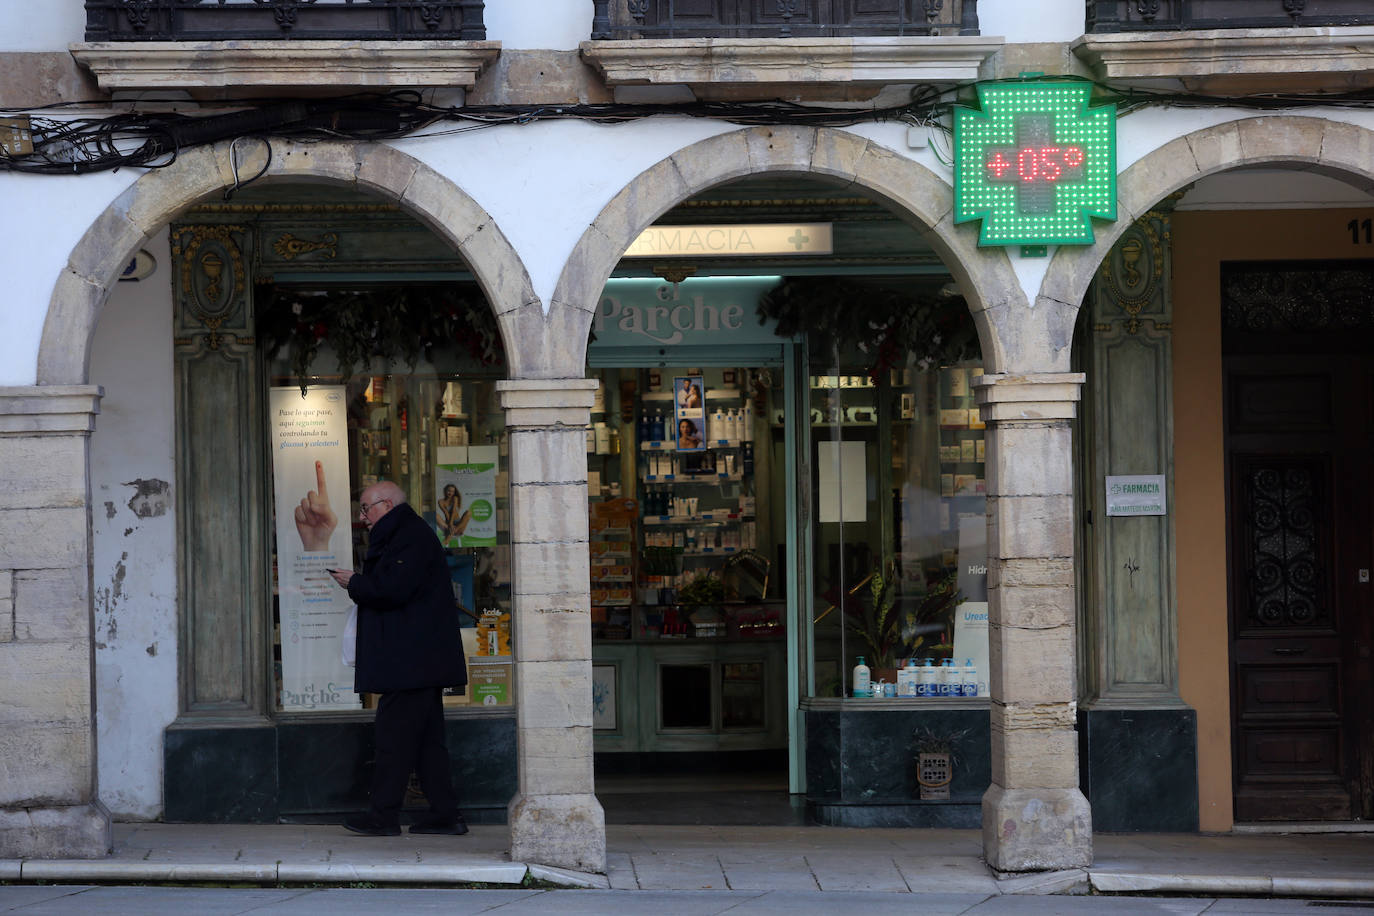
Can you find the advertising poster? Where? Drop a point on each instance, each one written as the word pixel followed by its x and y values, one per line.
pixel 971 615
pixel 689 413
pixel 843 485
pixel 314 534
pixel 465 495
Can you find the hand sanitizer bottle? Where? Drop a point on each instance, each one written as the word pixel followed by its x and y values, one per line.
pixel 927 679
pixel 863 679
pixel 970 678
pixel 906 679
pixel 950 678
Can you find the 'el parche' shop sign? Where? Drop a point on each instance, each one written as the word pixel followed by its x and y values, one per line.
pixel 699 310
pixel 1035 164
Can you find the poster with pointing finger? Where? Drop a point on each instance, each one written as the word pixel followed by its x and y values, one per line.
pixel 314 534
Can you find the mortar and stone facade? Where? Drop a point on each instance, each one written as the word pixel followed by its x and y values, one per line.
pixel 541 215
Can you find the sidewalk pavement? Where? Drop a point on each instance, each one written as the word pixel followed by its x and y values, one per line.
pixel 682 858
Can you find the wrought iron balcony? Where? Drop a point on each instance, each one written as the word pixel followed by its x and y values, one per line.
pixel 1173 15
pixel 243 20
pixel 650 19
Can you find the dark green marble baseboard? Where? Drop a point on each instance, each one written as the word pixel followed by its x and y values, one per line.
pixel 311 772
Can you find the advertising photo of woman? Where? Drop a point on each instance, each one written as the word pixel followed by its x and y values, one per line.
pixel 451 523
pixel 688 436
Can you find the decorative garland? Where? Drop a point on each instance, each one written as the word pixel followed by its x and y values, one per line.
pixel 892 327
pixel 385 324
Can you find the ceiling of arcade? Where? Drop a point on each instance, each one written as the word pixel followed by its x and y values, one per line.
pixel 869 239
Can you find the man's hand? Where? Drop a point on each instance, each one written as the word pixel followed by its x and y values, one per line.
pixel 342 576
pixel 315 521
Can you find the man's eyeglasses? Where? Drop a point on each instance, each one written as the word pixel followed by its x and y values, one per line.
pixel 364 508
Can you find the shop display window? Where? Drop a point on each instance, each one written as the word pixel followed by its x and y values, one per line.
pixel 680 549
pixel 898 533
pixel 437 430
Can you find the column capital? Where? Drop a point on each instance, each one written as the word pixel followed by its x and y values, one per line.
pixel 1036 396
pixel 547 401
pixel 43 409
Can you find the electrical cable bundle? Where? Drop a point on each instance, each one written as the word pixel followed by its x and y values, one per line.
pixel 152 140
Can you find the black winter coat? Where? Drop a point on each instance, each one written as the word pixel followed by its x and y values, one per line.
pixel 407 619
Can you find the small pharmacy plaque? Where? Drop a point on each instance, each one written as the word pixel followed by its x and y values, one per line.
pixel 1141 494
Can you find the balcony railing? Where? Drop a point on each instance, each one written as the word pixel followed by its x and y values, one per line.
pixel 1167 15
pixel 242 20
pixel 643 19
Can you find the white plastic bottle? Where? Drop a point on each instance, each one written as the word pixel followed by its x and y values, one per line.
pixel 863 679
pixel 747 423
pixel 970 678
pixel 906 680
pixel 951 679
pixel 927 678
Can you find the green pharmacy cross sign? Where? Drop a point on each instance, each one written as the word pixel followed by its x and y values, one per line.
pixel 1035 164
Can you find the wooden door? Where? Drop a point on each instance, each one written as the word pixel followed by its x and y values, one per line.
pixel 1299 463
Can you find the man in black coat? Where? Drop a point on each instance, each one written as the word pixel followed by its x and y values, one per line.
pixel 409 650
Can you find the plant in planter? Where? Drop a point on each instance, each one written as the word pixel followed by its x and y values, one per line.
pixel 891 326
pixel 936 756
pixel 892 626
pixel 385 324
pixel 704 589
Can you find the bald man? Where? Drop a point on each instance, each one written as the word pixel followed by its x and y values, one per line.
pixel 409 650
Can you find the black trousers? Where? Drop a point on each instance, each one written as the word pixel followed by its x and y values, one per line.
pixel 410 737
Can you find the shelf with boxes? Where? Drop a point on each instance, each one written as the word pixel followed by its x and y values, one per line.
pixel 962 455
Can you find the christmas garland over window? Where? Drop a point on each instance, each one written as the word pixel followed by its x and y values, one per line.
pixel 892 327
pixel 387 324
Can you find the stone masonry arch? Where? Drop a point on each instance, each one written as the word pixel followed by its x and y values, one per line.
pixel 160 195
pixel 55 810
pixel 910 189
pixel 1034 815
pixel 1342 150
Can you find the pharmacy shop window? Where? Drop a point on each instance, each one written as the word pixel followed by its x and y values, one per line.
pixel 898 495
pixel 370 385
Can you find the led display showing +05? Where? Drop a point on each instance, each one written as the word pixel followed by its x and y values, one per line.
pixel 1035 163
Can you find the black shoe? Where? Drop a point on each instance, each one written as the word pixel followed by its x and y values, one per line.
pixel 370 826
pixel 448 827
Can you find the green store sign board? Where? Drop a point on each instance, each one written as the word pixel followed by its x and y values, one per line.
pixel 1035 163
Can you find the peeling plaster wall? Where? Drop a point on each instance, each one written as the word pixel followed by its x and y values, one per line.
pixel 133 520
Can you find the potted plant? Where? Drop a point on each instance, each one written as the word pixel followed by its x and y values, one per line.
pixel 893 626
pixel 935 759
pixel 701 598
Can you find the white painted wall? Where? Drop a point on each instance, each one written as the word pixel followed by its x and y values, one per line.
pixel 22 28
pixel 134 565
pixel 1032 20
pixel 514 172
pixel 552 25
pixel 44 217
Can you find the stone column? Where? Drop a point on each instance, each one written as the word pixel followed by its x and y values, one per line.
pixel 1034 815
pixel 555 818
pixel 48 803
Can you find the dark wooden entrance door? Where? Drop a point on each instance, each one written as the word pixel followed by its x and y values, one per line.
pixel 1299 460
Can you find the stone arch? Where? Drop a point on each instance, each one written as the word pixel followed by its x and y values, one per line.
pixel 913 192
pixel 1341 150
pixel 160 195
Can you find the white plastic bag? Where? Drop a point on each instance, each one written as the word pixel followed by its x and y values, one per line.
pixel 350 639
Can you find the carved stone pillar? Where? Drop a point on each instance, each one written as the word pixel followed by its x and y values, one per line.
pixel 48 804
pixel 1034 816
pixel 555 818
